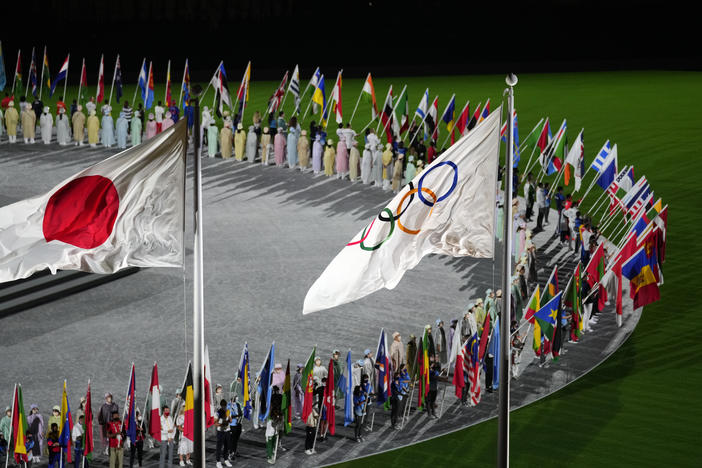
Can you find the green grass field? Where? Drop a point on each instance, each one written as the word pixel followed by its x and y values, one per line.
pixel 641 407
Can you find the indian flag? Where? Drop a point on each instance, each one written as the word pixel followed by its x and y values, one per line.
pixel 19 426
pixel 368 93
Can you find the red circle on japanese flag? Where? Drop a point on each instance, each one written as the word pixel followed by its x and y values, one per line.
pixel 82 212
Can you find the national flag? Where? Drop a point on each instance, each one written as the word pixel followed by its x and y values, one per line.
pixel 83 75
pixel 336 100
pixel 245 377
pixel 277 98
pixel 627 250
pixel 474 120
pixel 458 376
pixel 127 210
pixel 662 221
pixel 219 83
pixel 403 106
pixel 422 370
pixel 368 93
pixel 242 95
pixel 45 65
pixel 168 97
pixel 423 106
pixel 346 386
pixel 294 87
pixel 472 366
pixel 431 123
pixel 573 298
pixel 63 71
pixel 3 77
pixel 484 337
pixel 544 136
pixel 33 74
pixel 552 156
pixel 100 93
pixel 65 439
pixel 459 225
pixel 614 188
pixel 154 411
pixel 329 400
pixel 494 350
pixel 150 88
pixel 88 443
pixel 382 365
pixel 641 270
pixel 546 316
pixel 641 198
pixel 186 86
pixel 319 96
pixel 574 159
pixel 314 80
pixel 143 80
pixel 17 80
pixel 551 287
pixel 286 405
pixel 189 404
pixel 449 114
pixel 535 133
pixel 456 344
pixel 609 171
pixel 386 115
pixel 210 409
pixel 602 164
pixel 486 111
pixel 515 136
pixel 264 384
pixel 129 421
pixel 637 190
pixel 594 272
pixel 19 428
pixel 463 117
pixel 532 306
pixel 307 383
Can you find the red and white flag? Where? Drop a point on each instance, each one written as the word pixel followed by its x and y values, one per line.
pixel 101 81
pixel 127 210
pixel 336 100
pixel 83 75
pixel 277 97
pixel 210 419
pixel 155 410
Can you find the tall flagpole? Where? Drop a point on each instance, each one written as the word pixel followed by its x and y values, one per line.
pixel 359 98
pixel 180 97
pixel 143 62
pixel 31 61
pixel 114 75
pixel 198 305
pixel 80 81
pixel 41 81
pixel 14 79
pixel 65 78
pixel 504 358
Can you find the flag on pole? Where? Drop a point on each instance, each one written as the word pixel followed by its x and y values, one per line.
pixel 336 100
pixel 386 115
pixel 45 65
pixel 169 97
pixel 319 97
pixel 575 159
pixel 314 80
pixel 3 77
pixel 447 209
pixel 594 273
pixel 486 111
pixel 17 80
pixel 462 121
pixel 602 164
pixel 189 404
pixel 129 423
pixel 641 271
pixel 100 94
pixel 88 443
pixel 494 350
pixel 154 411
pixel 65 439
pixel 245 377
pixel 61 75
pixel 210 410
pixel 431 123
pixel 277 98
pixel 286 405
pixel 242 94
pixel 33 79
pixel 346 386
pixel 573 299
pixel 609 170
pixel 307 383
pixel 450 114
pixel 19 427
pixel 124 211
pixel 546 316
pixel 403 106
pixel 532 306
pixel 382 364
pixel 143 80
pixel 552 156
pixel 474 119
pixel 185 85
pixel 150 88
pixel 471 367
pixel 118 79
pixel 458 376
pixel 329 400
pixel 423 106
pixel 294 87
pixel 219 83
pixel 368 93
pixel 423 366
pixel 265 384
pixel 83 75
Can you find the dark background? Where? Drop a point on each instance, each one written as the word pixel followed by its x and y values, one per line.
pixel 412 37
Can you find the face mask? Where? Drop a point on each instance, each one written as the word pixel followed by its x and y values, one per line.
pixel 166 413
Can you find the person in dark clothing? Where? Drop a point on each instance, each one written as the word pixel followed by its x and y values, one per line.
pixel 38 107
pixel 395 399
pixel 222 448
pixel 359 403
pixel 236 413
pixel 136 450
pixel 433 390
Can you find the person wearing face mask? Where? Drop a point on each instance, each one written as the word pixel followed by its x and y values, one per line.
pixel 167 436
pixel 35 427
pixel 116 435
pixel 63 128
pixel 137 448
pixel 104 417
pixel 236 413
pixel 150 127
pixel 185 445
pixel 93 129
pixel 46 123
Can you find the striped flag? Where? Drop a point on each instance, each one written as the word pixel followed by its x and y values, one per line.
pixel 210 410
pixel 449 115
pixel 155 411
pixel 100 93
pixel 319 98
pixel 383 390
pixel 423 106
pixel 602 158
pixel 33 74
pixel 185 86
pixel 219 83
pixel 403 107
pixel 336 100
pixel 307 383
pixel 129 422
pixel 83 75
pixel 294 87
pixel 63 71
pixel 386 115
pixel 143 79
pixel 431 124
pixel 245 377
pixel 552 156
pixel 474 120
pixel 45 64
pixel 149 101
pixel 19 427
pixel 369 96
pixel 242 95
pixel 286 405
pixel 574 159
pixel 277 98
pixel 65 439
pixel 17 80
pixel 486 111
pixel 168 86
pixel 88 443
pixel 608 171
pixel 463 118
pixel 187 394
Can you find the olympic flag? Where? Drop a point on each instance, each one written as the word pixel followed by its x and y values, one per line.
pixel 127 210
pixel 449 208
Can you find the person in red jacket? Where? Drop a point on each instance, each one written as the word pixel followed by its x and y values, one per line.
pixel 54 446
pixel 116 436
pixel 431 152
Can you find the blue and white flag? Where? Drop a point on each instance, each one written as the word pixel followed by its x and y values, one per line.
pixel 346 386
pixel 264 385
pixel 423 106
pixel 608 170
pixel 143 79
pixel 63 71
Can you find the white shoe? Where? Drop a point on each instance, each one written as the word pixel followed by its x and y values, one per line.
pixel 308 452
pixel 188 462
pixel 219 464
pixel 182 463
pixel 226 462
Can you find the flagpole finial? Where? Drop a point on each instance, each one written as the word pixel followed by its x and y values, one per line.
pixel 511 80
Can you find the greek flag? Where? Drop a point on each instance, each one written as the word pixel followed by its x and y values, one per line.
pixel 603 157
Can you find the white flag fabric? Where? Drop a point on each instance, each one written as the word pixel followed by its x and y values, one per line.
pixel 449 208
pixel 127 210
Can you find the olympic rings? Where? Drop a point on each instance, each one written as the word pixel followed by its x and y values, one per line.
pixel 380 215
pixel 448 192
pixel 367 230
pixel 411 192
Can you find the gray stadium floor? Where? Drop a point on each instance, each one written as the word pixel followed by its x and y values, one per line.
pixel 268 233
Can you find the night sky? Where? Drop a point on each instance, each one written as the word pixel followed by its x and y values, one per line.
pixel 388 37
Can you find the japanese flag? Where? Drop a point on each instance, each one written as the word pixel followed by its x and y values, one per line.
pixel 124 211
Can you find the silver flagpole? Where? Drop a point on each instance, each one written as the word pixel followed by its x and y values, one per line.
pixel 198 305
pixel 503 421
